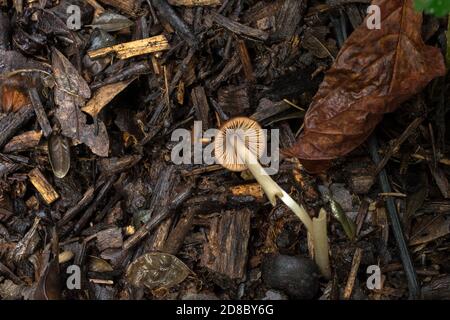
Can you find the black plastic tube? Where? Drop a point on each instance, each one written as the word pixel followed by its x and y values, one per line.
pixel 413 285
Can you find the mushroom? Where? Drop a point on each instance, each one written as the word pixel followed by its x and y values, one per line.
pixel 237 146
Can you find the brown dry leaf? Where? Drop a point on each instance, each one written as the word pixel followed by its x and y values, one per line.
pixel 104 95
pixel 156 270
pixel 13 93
pixel 48 286
pixel 49 281
pixel 375 72
pixel 13 99
pixel 71 92
pixel 99 265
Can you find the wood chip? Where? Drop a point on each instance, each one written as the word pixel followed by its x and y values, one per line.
pixel 201 105
pixel 252 189
pixel 226 249
pixel 179 232
pixel 438 289
pixel 246 61
pixel 24 141
pixel 10 123
pixel 127 6
pixel 43 186
pixel 98 8
pixel 289 17
pixel 103 96
pixel 109 238
pixel 239 28
pixel 134 48
pixel 233 100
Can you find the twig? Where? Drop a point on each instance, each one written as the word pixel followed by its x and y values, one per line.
pixel 166 11
pixel 46 190
pixel 194 172
pixel 361 217
pixel 5 270
pixel 101 281
pixel 176 237
pixel 40 112
pixel 353 272
pixel 72 212
pixel 134 48
pixel 91 210
pixel 394 148
pixel 162 215
pixel 392 194
pixel 413 285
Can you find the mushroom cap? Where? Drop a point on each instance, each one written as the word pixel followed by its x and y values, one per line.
pixel 246 129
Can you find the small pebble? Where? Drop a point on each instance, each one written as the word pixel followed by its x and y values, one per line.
pixel 274 295
pixel 341 195
pixel 298 277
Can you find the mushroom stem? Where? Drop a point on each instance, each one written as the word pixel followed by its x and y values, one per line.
pixel 317 227
pixel 320 242
pixel 270 187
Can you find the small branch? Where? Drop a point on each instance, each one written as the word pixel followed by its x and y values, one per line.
pixel 398 142
pixel 92 208
pixel 168 13
pixel 134 48
pixel 41 184
pixel 161 216
pixel 353 272
pixel 40 112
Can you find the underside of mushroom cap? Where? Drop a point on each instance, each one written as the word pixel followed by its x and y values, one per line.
pixel 249 132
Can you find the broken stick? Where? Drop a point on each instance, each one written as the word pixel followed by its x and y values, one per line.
pixel 134 48
pixel 49 195
pixel 193 3
pixel 353 272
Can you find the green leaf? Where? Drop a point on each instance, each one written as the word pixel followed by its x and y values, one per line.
pixel 435 7
pixel 347 224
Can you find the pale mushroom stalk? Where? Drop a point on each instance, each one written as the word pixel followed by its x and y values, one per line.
pixel 242 158
pixel 270 187
pixel 320 241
